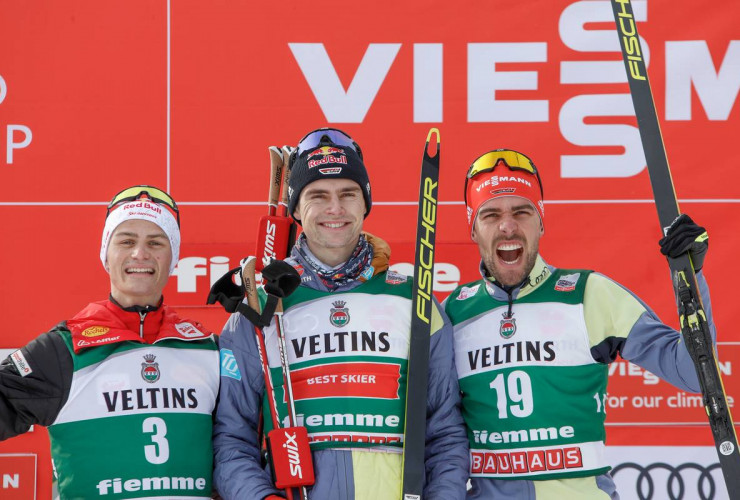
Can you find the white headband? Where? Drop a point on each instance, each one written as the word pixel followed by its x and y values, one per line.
pixel 144 210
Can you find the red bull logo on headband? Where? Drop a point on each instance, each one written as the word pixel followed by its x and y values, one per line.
pixel 325 150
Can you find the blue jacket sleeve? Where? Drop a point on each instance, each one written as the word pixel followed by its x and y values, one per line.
pixel 661 350
pixel 447 457
pixel 238 472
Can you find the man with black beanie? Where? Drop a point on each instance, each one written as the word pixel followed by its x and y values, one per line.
pixel 347 330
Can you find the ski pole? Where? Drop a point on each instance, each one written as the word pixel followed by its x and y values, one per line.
pixel 250 289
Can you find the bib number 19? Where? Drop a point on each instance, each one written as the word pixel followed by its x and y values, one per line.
pixel 513 394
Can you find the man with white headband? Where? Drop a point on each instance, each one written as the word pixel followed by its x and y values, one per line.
pixel 126 387
pixel 533 344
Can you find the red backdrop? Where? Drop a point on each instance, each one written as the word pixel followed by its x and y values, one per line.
pixel 187 95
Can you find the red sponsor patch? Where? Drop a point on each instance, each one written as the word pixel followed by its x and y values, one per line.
pixel 525 461
pixel 361 380
pixel 17 476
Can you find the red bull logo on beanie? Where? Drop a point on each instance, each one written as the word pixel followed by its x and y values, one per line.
pixel 327 159
pixel 325 150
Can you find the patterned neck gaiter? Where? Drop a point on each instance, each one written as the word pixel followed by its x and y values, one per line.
pixel 333 278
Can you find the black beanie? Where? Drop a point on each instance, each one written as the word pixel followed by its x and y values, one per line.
pixel 327 162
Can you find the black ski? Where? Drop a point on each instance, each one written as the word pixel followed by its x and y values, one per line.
pixel 421 323
pixel 692 319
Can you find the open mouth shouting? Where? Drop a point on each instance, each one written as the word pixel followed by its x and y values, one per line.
pixel 509 253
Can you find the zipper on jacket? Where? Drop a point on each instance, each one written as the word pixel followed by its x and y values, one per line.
pixel 142 316
pixel 510 313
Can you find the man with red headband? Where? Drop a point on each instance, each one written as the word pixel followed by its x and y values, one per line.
pixel 533 344
pixel 126 388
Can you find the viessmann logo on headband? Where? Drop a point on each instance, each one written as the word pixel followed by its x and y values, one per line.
pixel 495 180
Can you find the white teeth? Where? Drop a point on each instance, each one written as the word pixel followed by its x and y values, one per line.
pixel 509 246
pixel 140 270
pixel 507 262
pixel 334 225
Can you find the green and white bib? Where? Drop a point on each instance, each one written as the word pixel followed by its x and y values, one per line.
pixel 137 423
pixel 348 355
pixel 532 394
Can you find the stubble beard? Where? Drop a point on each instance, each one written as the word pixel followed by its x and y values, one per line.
pixel 509 278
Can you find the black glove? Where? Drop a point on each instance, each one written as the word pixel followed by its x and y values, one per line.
pixel 684 235
pixel 281 279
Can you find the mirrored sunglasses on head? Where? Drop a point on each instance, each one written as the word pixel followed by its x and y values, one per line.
pixel 327 135
pixel 512 159
pixel 144 191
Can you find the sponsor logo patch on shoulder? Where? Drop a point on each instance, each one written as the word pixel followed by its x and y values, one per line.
pixel 19 360
pixel 567 282
pixel 229 366
pixel 394 278
pixel 468 291
pixel 188 330
pixel 95 331
pixel 367 273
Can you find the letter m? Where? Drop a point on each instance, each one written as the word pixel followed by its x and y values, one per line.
pixel 543 434
pixel 514 436
pixel 689 62
pixel 339 419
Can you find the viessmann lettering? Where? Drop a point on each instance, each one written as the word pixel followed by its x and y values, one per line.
pixel 496 179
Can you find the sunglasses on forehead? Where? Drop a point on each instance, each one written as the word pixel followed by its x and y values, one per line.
pixel 512 159
pixel 321 136
pixel 140 192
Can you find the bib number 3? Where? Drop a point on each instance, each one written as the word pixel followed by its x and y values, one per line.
pixel 159 452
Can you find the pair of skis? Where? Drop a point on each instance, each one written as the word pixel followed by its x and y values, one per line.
pixel 692 318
